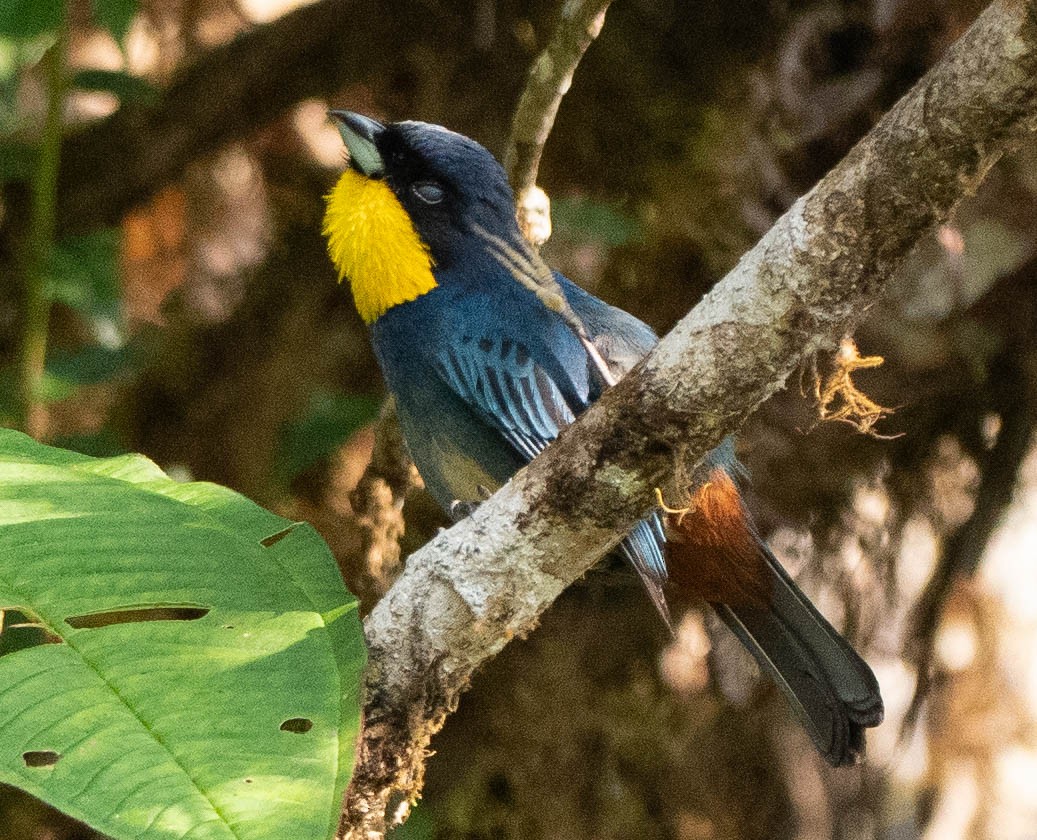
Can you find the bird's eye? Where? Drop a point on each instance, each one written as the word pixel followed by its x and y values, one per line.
pixel 429 191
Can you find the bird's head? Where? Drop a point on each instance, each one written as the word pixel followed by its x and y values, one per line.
pixel 414 197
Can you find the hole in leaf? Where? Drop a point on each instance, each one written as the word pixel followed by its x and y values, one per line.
pixel 132 615
pixel 266 542
pixel 20 628
pixel 248 781
pixel 297 725
pixel 228 626
pixel 40 758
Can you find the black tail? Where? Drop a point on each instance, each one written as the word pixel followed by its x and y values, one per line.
pixel 712 551
pixel 832 690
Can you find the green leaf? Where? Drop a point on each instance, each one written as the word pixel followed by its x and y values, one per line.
pixel 15 56
pixel 115 16
pixel 102 443
pixel 93 364
pixel 24 19
pixel 585 219
pixel 85 277
pixel 9 59
pixel 50 388
pixel 128 88
pixel 202 678
pixel 16 633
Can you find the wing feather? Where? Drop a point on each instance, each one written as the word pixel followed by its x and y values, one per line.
pixel 500 379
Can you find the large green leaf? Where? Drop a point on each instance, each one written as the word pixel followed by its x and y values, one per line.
pixel 236 721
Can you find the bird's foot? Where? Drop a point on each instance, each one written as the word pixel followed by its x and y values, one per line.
pixel 460 509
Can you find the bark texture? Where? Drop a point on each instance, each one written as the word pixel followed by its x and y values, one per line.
pixel 807 282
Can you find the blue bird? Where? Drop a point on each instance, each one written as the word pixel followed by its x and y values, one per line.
pixel 489 354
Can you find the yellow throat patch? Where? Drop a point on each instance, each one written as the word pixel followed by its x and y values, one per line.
pixel 374 245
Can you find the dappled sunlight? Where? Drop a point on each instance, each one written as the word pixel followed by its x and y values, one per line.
pixel 318 132
pixel 262 11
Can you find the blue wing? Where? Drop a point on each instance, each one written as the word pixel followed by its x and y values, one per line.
pixel 622 339
pixel 514 394
pixel 499 378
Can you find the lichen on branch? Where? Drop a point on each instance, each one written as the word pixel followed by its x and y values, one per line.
pixel 840 400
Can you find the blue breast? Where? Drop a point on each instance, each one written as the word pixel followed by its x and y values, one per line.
pixel 455 449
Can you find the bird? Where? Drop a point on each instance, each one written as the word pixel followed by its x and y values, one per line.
pixel 488 354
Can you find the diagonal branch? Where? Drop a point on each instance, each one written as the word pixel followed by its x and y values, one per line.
pixel 805 284
pixel 113 164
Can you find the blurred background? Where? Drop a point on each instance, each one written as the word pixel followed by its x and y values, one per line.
pixel 164 289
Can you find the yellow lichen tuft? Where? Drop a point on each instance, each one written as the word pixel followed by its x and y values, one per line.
pixel 373 244
pixel 839 399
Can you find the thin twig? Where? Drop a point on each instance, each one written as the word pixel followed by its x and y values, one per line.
pixel 40 241
pixel 549 81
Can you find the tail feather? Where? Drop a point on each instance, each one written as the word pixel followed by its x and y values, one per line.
pixel 642 549
pixel 713 551
pixel 832 690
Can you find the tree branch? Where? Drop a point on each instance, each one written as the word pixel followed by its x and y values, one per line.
pixel 807 281
pixel 549 80
pixel 117 162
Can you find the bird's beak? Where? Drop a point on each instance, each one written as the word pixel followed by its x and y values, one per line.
pixel 360 134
